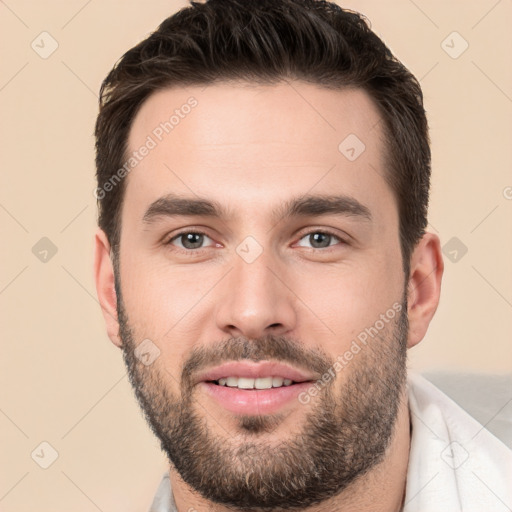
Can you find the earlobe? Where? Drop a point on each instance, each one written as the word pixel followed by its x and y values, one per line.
pixel 105 285
pixel 424 286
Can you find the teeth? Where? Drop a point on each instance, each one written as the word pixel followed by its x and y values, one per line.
pixel 244 383
pixel 259 383
pixel 263 383
pixel 277 382
pixel 232 382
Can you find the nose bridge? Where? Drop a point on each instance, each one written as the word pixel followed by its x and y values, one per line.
pixel 254 300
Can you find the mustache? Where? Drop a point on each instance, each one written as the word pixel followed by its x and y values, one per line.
pixel 268 347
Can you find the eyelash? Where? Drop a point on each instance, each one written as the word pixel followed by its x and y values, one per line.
pixel 192 252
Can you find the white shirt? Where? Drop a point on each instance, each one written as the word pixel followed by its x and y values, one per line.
pixel 455 464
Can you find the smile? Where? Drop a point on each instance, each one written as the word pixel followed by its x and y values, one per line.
pixel 259 383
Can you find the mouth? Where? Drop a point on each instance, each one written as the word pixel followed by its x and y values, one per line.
pixel 251 388
pixel 251 383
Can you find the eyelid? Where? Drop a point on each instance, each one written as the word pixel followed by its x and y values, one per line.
pixel 169 239
pixel 324 231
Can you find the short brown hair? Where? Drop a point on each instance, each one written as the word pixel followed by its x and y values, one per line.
pixel 267 41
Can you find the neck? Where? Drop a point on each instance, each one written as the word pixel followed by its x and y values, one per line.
pixel 382 489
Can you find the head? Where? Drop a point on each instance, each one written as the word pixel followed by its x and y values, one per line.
pixel 263 173
pixel 218 41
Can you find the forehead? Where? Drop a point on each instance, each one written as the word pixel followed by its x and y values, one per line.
pixel 250 144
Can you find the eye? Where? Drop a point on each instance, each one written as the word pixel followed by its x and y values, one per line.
pixel 319 239
pixel 189 240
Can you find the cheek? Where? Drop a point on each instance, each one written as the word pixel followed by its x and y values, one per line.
pixel 351 299
pixel 174 305
pixel 167 304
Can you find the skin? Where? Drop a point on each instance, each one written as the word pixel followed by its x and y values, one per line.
pixel 251 148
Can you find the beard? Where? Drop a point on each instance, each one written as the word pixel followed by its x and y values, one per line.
pixel 344 434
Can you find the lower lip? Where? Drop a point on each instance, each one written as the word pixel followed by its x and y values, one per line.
pixel 254 401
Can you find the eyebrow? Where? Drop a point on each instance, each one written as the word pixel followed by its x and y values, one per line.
pixel 172 205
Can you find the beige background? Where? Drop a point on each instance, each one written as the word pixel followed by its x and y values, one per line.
pixel 62 380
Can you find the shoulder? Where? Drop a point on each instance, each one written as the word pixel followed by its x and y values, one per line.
pixel 485 397
pixel 460 456
pixel 163 500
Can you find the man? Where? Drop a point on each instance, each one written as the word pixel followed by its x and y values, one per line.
pixel 263 174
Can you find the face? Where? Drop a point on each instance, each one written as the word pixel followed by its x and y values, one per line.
pixel 260 273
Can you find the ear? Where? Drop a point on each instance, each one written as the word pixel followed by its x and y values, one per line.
pixel 104 278
pixel 424 286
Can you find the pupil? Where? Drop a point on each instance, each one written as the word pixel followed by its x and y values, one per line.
pixel 192 240
pixel 320 240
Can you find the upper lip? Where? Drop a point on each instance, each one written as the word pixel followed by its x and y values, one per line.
pixel 254 370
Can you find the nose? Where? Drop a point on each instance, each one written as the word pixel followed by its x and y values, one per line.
pixel 254 300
